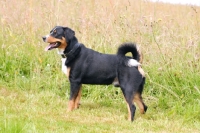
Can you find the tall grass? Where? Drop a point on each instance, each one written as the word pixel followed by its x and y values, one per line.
pixel 34 91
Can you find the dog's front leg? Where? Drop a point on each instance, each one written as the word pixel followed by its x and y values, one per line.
pixel 75 94
pixel 77 100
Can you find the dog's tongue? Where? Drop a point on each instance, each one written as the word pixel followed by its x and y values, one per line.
pixel 49 47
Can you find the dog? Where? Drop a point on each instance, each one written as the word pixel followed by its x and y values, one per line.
pixel 86 66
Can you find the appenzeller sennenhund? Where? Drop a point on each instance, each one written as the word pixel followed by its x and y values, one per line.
pixel 86 66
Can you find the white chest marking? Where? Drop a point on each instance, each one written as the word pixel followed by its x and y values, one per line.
pixel 64 67
pixel 60 51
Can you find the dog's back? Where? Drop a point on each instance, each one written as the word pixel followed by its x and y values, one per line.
pixel 94 67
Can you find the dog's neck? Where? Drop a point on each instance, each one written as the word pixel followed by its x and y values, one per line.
pixel 70 44
pixel 70 47
pixel 71 51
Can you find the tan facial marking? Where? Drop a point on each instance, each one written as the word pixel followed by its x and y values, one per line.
pixel 51 39
pixel 63 44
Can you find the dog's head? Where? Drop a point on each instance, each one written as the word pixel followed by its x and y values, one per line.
pixel 58 38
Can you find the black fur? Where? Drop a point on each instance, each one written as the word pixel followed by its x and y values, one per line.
pixel 91 67
pixel 128 47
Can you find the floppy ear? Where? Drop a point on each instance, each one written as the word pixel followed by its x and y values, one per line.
pixel 69 33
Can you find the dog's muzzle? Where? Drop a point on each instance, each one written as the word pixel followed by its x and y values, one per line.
pixel 44 38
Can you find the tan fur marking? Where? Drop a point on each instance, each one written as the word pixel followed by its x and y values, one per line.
pixel 51 39
pixel 138 100
pixel 74 103
pixel 141 71
pixel 63 44
pixel 71 105
pixel 77 101
pixel 140 61
pixel 68 71
pixel 140 53
pixel 129 112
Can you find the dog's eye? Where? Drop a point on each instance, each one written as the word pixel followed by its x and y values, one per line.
pixel 54 32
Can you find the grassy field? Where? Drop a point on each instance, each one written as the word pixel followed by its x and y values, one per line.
pixel 34 91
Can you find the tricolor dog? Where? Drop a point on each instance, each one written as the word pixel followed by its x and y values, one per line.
pixel 86 66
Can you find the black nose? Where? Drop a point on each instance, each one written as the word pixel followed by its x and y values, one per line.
pixel 44 38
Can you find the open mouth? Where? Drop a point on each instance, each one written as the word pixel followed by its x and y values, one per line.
pixel 52 46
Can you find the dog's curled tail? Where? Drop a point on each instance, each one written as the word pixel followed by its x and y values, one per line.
pixel 130 47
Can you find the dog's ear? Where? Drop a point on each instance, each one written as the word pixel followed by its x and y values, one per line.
pixel 69 33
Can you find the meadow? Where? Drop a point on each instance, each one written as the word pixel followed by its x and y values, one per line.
pixel 34 91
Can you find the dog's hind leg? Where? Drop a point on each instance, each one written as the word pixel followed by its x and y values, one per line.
pixel 131 107
pixel 74 96
pixel 138 99
pixel 131 110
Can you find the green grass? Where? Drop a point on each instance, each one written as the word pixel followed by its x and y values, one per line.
pixel 34 91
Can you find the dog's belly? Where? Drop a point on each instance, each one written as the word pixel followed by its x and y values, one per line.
pixel 99 74
pixel 98 80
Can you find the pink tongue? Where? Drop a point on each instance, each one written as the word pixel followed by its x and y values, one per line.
pixel 47 48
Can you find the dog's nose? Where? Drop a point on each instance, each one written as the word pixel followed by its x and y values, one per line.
pixel 44 38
